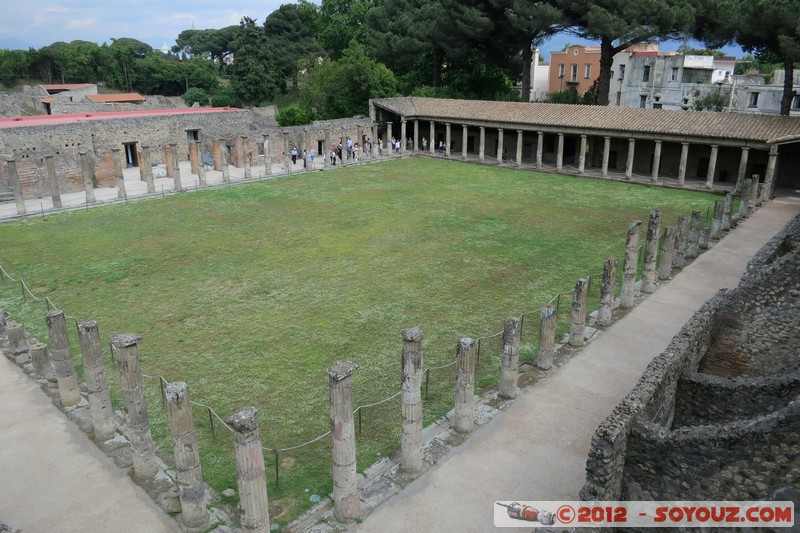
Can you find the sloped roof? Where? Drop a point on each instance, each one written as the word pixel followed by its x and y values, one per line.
pixel 116 98
pixel 75 118
pixel 61 87
pixel 622 120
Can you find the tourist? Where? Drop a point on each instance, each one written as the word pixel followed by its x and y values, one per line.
pixel 294 156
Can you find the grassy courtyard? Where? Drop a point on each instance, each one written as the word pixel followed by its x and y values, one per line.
pixel 249 293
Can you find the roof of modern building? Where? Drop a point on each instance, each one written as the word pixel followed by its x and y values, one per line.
pixel 116 98
pixel 622 120
pixel 50 120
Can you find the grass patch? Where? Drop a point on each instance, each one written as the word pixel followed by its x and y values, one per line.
pixel 249 293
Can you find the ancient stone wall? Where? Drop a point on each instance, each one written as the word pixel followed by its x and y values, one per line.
pixel 717 415
pixel 29 145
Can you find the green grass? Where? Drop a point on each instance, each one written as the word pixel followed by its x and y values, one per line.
pixel 249 293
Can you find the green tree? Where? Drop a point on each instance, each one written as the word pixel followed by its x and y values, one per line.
pixel 526 25
pixel 618 24
pixel 216 44
pixel 568 96
pixel 710 102
pixel 343 88
pixel 295 115
pixel 771 29
pixel 225 97
pixel 15 66
pixel 344 21
pixel 254 77
pixel 195 94
pixel 291 33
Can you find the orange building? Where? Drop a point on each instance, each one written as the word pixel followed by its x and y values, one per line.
pixel 577 66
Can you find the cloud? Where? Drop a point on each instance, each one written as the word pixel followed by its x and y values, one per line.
pixel 77 24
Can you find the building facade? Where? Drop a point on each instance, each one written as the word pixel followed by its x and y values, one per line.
pixel 574 68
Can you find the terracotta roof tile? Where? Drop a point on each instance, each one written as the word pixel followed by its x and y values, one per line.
pixel 116 98
pixel 612 120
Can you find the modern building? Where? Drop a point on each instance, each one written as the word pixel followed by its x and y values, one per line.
pixel 576 67
pixel 540 78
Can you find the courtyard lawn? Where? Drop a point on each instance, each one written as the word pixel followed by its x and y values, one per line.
pixel 248 293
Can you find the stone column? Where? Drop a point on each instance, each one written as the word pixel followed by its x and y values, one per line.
pixel 712 166
pixel 560 152
pixel 403 135
pixel 667 253
pixel 629 266
pixel 412 360
pixel 191 490
pixel 168 161
pixel 432 139
pixel 177 184
pixel 705 238
pixel 88 184
pixel 251 474
pixel 119 177
pixel 742 167
pixel 61 356
pixel 96 382
pixel 727 212
pixel 286 154
pixel 578 326
pixel 606 154
pixel 519 148
pixel 223 162
pixel 241 149
pixel 130 384
pixel 656 162
pixel 680 241
pixel 147 169
pixel 608 288
pixel 770 175
pixel 716 220
pixel 547 337
pixel 201 168
pixel 753 202
pixel 651 252
pixel 193 157
pixel 327 148
pixel 416 135
pixel 343 144
pixel 682 164
pixel 693 247
pixel 482 145
pixel 464 139
pixel 499 146
pixel 13 180
pixel 629 163
pixel 40 359
pixel 52 179
pixel 539 149
pixel 464 412
pixel 268 157
pixel 447 139
pixel 744 205
pixel 582 156
pixel 388 136
pixel 509 364
pixel 345 477
pixel 18 342
pixel 216 148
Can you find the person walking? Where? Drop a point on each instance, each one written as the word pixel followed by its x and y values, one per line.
pixel 294 156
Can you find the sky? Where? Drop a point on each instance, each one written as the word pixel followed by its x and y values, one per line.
pixel 37 23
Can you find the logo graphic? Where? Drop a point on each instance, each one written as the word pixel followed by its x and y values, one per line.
pixel 518 511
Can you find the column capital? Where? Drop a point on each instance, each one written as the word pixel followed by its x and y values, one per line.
pixel 657 141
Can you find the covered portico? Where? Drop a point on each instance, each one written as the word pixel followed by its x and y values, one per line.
pixel 678 148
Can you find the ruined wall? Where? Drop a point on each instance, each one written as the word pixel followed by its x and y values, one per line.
pixel 29 144
pixel 717 415
pixel 748 459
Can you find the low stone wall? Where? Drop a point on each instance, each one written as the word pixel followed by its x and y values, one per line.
pixel 652 399
pixel 704 399
pixel 717 415
pixel 745 460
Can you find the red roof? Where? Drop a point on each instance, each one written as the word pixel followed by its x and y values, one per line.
pixel 650 54
pixel 49 120
pixel 116 98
